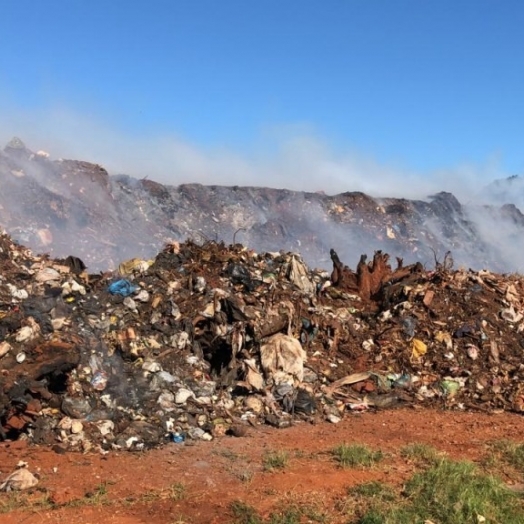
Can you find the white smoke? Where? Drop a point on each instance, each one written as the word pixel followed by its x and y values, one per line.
pixel 291 157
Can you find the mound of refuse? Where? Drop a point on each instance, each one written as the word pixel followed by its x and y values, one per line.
pixel 207 340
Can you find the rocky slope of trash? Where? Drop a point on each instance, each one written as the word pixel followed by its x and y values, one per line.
pixel 208 339
pixel 68 206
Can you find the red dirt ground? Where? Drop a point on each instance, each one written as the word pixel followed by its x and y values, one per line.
pixel 217 473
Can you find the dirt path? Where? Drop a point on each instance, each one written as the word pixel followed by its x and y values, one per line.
pixel 197 484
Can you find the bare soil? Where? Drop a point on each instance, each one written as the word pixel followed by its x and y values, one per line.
pixel 182 483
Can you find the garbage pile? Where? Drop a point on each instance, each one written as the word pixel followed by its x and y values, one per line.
pixel 207 340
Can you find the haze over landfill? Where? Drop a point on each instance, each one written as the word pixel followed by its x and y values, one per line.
pixel 69 207
pixel 361 97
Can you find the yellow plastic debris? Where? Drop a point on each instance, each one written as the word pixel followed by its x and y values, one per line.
pixel 418 348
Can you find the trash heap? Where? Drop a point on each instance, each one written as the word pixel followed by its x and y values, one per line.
pixel 211 340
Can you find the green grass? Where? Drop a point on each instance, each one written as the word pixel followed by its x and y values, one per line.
pixel 420 453
pixel 297 512
pixel 39 499
pixel 356 455
pixel 287 516
pixel 230 455
pixel 293 513
pixel 34 500
pixel 368 497
pixel 373 490
pixel 448 493
pixel 275 460
pixel 511 453
pixel 176 491
pixel 244 513
pixel 244 475
pixel 98 495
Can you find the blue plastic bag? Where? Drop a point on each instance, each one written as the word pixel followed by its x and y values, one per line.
pixel 122 287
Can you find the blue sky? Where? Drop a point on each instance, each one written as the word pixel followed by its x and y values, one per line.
pixel 404 86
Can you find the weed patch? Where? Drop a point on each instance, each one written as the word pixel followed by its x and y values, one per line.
pixel 32 501
pixel 287 516
pixel 510 453
pixel 244 513
pixel 275 460
pixel 420 453
pixel 356 455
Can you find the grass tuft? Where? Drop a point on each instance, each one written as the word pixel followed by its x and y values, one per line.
pixel 288 516
pixel 176 491
pixel 244 513
pixel 373 490
pixel 96 497
pixel 369 498
pixel 275 460
pixel 297 512
pixel 356 455
pixel 34 500
pixel 420 453
pixel 511 453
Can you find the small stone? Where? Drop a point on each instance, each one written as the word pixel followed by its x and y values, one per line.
pixel 473 352
pixel 199 284
pixel 333 419
pixel 368 345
